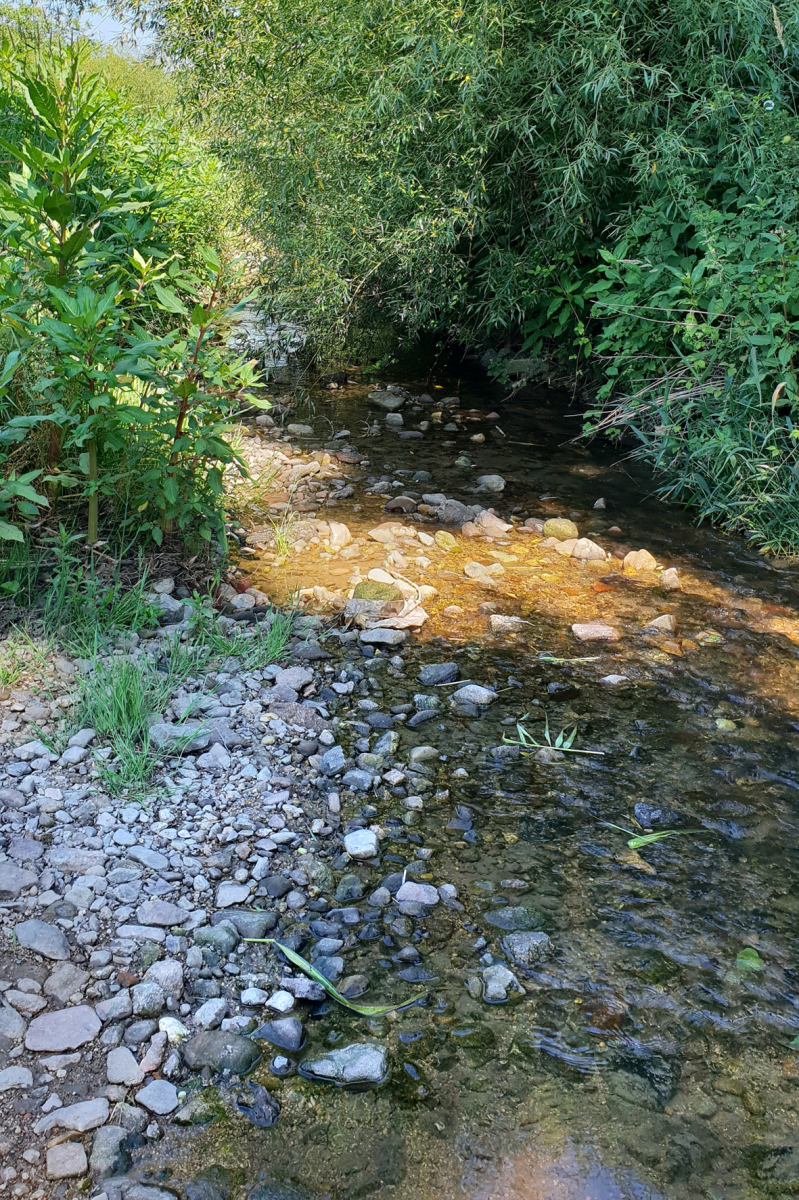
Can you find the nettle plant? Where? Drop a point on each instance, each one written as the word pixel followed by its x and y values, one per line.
pixel 120 377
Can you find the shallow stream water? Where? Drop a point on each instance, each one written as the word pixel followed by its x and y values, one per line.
pixel 645 1058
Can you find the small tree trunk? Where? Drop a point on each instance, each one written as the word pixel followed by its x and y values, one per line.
pixel 93 498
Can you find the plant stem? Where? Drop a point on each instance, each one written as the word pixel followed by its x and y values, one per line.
pixel 91 536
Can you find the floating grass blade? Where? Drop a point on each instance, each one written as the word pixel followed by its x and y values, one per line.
pixel 636 840
pixel 363 1010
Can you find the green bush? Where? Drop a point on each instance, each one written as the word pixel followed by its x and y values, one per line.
pixel 119 386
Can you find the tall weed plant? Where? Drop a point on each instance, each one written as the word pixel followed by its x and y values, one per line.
pixel 117 386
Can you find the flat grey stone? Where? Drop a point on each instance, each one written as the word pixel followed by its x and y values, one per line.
pixel 511 918
pixel 358 780
pixel 421 893
pixel 66 1029
pixel 109 1156
pixel 14 880
pixel 12 1025
pixel 384 637
pixel 25 849
pixel 187 736
pixel 115 1007
pixel 228 894
pixel 362 1062
pixel 211 1014
pixel 72 860
pixel 148 858
pixel 435 673
pixel 72 756
pixel 285 1032
pixel 148 1000
pixel 168 974
pixel 79 1118
pixel 15 1077
pixel 473 693
pixel 142 933
pixel 67 1161
pixel 160 912
pixel 41 938
pixel 121 1067
pixel 159 1097
pixel 333 760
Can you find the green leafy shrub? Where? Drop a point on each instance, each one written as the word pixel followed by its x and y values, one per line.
pixel 129 385
pixel 697 315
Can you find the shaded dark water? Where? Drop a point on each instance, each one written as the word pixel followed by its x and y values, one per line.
pixel 645 1057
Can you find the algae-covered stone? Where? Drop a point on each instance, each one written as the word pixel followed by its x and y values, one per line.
pixel 200 1108
pixel 445 541
pixel 511 918
pixel 371 590
pixel 560 528
pixel 221 1051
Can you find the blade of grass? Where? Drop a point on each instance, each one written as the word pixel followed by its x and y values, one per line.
pixel 363 1010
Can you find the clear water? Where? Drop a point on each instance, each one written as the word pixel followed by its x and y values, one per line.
pixel 642 1060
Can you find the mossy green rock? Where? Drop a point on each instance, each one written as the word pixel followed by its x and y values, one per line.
pixel 560 528
pixel 370 590
pixel 201 1108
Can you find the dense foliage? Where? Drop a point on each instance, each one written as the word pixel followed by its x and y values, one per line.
pixel 116 383
pixel 486 170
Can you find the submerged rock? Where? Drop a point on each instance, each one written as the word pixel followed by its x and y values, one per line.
pixel 511 918
pixel 362 1062
pixel 221 1051
pixel 526 948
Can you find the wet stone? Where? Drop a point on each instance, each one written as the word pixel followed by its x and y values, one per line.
pixel 360 1063
pixel 512 918
pixel 526 948
pixel 285 1033
pixel 221 1051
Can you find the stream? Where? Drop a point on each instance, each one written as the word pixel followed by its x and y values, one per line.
pixel 652 1051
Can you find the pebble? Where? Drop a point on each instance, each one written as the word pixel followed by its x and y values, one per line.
pixel 526 948
pixel 640 560
pixel 420 893
pixel 473 693
pixel 560 528
pixel 121 1067
pixel 596 631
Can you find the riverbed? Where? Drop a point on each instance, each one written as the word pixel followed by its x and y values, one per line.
pixel 650 1052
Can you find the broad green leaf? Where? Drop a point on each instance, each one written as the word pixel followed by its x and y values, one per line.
pixel 749 960
pixel 10 533
pixel 170 300
pixel 363 1010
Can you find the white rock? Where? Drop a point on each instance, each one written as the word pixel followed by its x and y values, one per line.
pixel 15 1077
pixel 361 843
